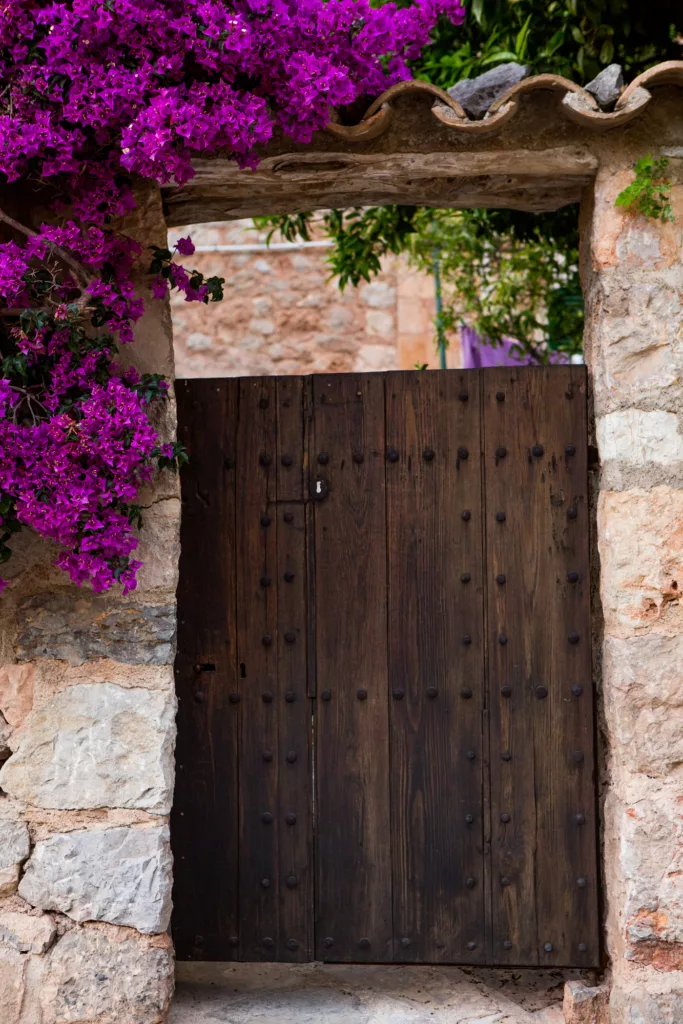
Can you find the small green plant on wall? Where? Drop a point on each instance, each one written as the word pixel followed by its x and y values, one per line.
pixel 650 191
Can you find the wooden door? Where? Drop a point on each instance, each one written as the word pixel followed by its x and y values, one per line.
pixel 385 747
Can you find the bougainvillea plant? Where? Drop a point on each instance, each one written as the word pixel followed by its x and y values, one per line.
pixel 95 94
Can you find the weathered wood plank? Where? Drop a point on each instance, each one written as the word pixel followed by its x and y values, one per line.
pixel 436 665
pixel 257 644
pixel 354 909
pixel 541 731
pixel 205 811
pixel 517 178
pixel 295 823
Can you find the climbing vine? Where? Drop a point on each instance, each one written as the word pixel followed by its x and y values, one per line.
pixel 95 94
pixel 650 191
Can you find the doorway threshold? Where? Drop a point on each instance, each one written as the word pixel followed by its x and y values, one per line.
pixel 316 993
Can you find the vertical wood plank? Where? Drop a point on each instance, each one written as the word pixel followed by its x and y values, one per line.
pixel 354 904
pixel 204 820
pixel 257 643
pixel 294 742
pixel 436 665
pixel 542 758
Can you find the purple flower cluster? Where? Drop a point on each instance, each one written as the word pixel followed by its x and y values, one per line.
pixel 93 92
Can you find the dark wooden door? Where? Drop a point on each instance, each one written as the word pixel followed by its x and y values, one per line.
pixel 385 746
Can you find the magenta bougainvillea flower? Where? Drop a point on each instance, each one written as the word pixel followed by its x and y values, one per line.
pixel 93 92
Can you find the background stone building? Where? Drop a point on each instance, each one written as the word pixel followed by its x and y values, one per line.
pixel 282 314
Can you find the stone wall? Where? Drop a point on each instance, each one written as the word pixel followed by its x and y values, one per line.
pixel 87 727
pixel 633 281
pixel 283 315
pixel 86 684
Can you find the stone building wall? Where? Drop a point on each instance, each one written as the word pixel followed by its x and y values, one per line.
pixel 633 282
pixel 87 697
pixel 283 315
pixel 87 728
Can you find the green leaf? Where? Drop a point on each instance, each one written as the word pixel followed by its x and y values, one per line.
pixel 607 52
pixel 522 39
pixel 500 55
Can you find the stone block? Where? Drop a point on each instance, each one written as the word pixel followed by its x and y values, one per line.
pixel 15 847
pixel 301 263
pixel 378 295
pixel 119 875
pixel 638 334
pixel 262 305
pixel 16 692
pixel 375 357
pixel 643 690
pixel 259 326
pixel 96 745
pixel 475 95
pixel 379 323
pixel 635 437
pixel 159 547
pixel 198 342
pixel 606 86
pixel 12 985
pixel 26 933
pixel 314 300
pixel 644 868
pixel 647 996
pixel 91 976
pixel 416 319
pixel 5 733
pixel 77 626
pixel 339 318
pixel 641 549
pixel 585 1004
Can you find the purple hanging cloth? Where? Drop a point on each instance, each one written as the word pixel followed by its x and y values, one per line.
pixel 476 355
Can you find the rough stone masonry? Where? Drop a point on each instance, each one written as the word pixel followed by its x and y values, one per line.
pixel 86 688
pixel 87 729
pixel 633 283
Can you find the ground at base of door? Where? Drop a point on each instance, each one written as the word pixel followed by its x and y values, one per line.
pixel 361 994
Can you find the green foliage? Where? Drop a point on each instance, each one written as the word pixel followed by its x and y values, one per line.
pixel 506 276
pixel 9 525
pixel 650 191
pixel 361 237
pixel 574 38
pixel 175 457
pixel 505 273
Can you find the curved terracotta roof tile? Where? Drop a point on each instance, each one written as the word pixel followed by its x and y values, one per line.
pixel 369 128
pixel 556 83
pixel 491 123
pixel 415 85
pixel 668 73
pixel 575 107
pixel 577 104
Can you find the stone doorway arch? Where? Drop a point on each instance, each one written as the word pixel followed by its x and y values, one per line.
pixel 79 666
